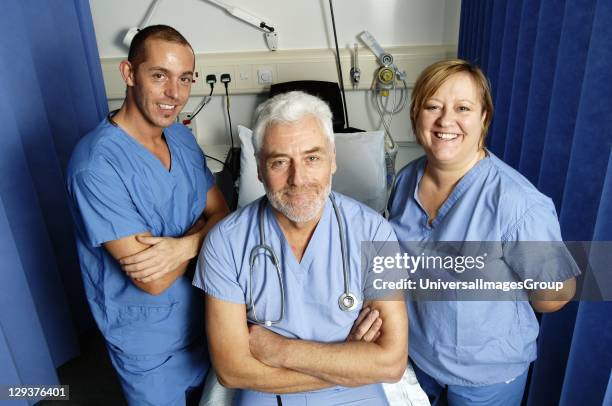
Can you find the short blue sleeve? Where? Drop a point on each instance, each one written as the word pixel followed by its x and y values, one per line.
pixel 104 207
pixel 384 244
pixel 534 249
pixel 216 272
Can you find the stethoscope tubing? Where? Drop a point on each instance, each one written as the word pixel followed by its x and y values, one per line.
pixel 347 301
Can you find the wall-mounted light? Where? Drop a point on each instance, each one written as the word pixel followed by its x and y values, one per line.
pixel 270 35
pixel 131 33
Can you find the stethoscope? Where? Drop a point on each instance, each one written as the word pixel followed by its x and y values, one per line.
pixel 347 301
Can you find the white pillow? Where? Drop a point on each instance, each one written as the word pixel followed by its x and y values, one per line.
pixel 361 173
pixel 249 186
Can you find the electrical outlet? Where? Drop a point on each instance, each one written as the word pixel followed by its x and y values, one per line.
pixel 185 119
pixel 217 70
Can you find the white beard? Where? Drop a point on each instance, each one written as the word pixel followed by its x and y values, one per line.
pixel 304 213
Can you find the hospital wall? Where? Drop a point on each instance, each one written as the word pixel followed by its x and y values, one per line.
pixel 301 24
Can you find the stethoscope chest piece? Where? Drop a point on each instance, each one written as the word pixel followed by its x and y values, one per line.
pixel 347 302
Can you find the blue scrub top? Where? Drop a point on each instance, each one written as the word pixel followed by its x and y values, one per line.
pixel 118 188
pixel 475 343
pixel 312 286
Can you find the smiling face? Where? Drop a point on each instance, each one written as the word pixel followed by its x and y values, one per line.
pixel 450 124
pixel 296 163
pixel 160 85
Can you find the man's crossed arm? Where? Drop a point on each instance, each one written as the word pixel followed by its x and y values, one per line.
pixel 252 357
pixel 154 263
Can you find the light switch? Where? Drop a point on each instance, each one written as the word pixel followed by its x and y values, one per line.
pixel 264 76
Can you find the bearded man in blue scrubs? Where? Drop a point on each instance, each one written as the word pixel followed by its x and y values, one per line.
pixel 143 200
pixel 299 356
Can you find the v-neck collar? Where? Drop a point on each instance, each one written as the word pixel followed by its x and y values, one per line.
pixel 309 252
pixel 142 150
pixel 457 191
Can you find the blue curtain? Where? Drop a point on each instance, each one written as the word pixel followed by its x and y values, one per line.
pixel 52 94
pixel 549 63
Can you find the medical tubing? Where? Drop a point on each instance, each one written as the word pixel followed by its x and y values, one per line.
pixel 346 119
pixel 391 114
pixel 397 107
pixel 383 110
pixel 342 245
pixel 267 249
pixel 253 254
pixel 229 116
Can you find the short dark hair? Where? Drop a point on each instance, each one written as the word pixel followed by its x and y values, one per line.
pixel 136 55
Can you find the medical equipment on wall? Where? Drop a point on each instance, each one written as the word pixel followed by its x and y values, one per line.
pixel 131 33
pixel 355 71
pixel 384 88
pixel 270 35
pixel 369 40
pixel 339 64
pixel 346 301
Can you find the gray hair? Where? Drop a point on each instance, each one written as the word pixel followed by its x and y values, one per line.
pixel 288 108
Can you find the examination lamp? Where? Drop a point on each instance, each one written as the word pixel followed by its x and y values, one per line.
pixel 129 36
pixel 131 33
pixel 270 35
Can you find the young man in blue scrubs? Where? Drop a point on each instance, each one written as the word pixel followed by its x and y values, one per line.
pixel 143 200
pixel 299 355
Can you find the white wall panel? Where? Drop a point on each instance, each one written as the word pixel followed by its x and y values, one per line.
pixel 301 24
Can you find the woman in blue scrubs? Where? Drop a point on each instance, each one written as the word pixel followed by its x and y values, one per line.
pixel 469 352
